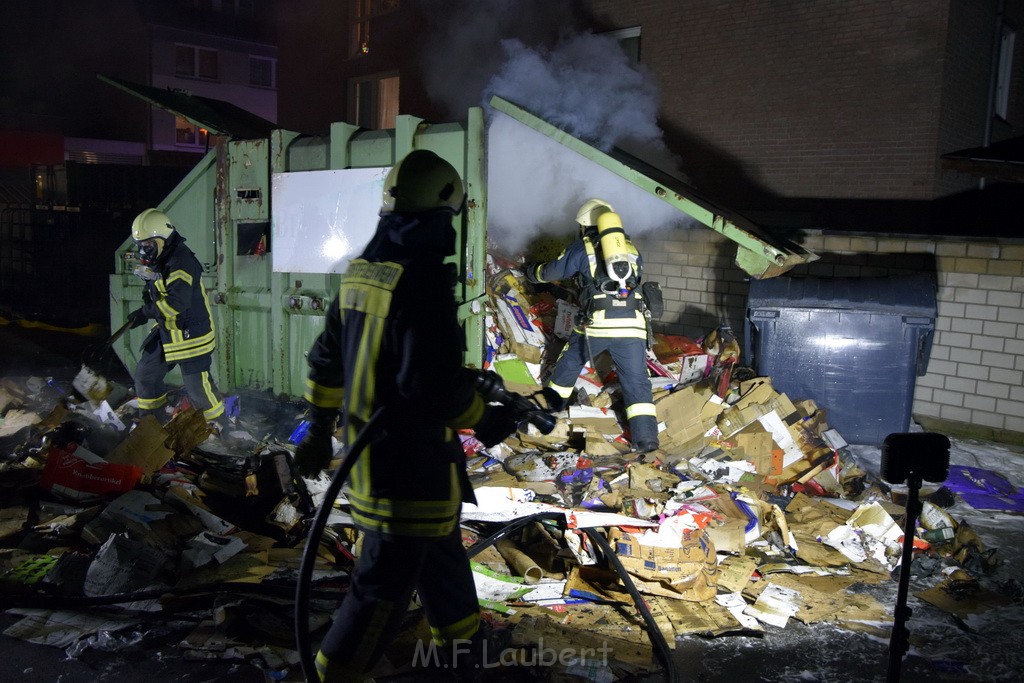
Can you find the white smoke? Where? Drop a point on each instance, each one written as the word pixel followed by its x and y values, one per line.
pixel 587 87
pixel 537 55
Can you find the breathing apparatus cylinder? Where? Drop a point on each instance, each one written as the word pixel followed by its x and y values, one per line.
pixel 619 258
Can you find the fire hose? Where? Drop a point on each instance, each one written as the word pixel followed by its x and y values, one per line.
pixel 492 389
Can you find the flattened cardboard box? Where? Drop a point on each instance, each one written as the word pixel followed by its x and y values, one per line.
pixel 688 572
pixel 688 413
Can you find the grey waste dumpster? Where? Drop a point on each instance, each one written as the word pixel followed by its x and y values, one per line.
pixel 853 345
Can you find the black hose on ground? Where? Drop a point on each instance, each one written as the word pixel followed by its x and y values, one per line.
pixel 661 648
pixel 302 636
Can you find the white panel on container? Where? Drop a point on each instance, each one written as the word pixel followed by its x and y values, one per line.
pixel 322 219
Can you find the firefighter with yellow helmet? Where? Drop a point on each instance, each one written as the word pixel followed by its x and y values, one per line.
pixel 173 297
pixel 607 270
pixel 392 339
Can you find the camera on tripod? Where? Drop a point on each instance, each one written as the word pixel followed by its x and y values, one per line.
pixel 921 455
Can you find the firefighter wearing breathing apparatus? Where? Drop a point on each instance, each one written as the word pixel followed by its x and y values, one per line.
pixel 607 270
pixel 392 339
pixel 183 335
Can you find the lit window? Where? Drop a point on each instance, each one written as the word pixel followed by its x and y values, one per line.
pixel 188 134
pixel 195 62
pixel 261 72
pixel 360 14
pixel 374 102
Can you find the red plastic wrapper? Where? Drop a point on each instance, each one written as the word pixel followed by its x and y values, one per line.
pixel 77 478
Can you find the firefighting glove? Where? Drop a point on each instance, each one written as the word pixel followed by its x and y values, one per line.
pixel 137 318
pixel 313 454
pixel 497 424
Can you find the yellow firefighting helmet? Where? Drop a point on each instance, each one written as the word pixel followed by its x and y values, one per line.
pixel 151 223
pixel 422 181
pixel 591 210
pixel 151 230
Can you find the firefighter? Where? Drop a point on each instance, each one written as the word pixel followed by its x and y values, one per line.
pixel 183 335
pixel 607 270
pixel 392 340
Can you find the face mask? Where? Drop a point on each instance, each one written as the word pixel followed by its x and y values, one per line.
pixel 149 250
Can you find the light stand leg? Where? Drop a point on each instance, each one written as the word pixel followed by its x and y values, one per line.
pixel 899 640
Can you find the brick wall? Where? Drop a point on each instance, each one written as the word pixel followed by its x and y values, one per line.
pixel 975 378
pixel 800 98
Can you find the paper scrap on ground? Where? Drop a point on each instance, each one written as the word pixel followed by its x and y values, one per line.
pixel 504 504
pixel 775 605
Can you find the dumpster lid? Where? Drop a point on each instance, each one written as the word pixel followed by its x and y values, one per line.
pixel 898 294
pixel 758 253
pixel 217 116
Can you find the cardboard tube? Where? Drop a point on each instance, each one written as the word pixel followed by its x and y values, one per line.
pixel 519 561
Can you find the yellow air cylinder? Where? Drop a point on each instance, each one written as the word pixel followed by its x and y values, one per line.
pixel 619 256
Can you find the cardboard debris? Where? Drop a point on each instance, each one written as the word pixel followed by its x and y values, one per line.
pixel 753 512
pixel 688 571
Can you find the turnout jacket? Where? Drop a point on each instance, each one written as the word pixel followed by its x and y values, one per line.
pixel 602 314
pixel 392 339
pixel 177 300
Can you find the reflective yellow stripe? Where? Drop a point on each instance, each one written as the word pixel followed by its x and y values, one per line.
pixel 152 403
pixel 193 342
pixel 564 392
pixel 404 528
pixel 216 408
pixel 179 275
pixel 408 509
pixel 366 288
pixel 324 397
pixel 463 629
pixel 640 409
pixel 190 353
pixel 471 415
pixel 191 348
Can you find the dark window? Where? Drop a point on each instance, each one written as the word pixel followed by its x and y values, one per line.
pixel 195 62
pixel 207 63
pixel 261 72
pixel 184 60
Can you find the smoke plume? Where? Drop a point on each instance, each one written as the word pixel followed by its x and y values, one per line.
pixel 543 58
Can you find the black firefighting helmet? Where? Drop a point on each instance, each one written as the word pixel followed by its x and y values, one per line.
pixel 422 181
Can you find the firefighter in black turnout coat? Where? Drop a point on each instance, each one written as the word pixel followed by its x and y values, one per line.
pixel 175 298
pixel 607 270
pixel 393 340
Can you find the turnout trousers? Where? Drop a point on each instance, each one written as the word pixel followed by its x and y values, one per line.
pixel 387 572
pixel 195 374
pixel 630 357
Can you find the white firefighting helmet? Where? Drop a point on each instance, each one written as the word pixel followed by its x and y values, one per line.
pixel 422 181
pixel 590 211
